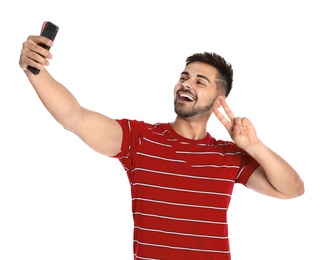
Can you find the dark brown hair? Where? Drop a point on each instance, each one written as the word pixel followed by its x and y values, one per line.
pixel 225 70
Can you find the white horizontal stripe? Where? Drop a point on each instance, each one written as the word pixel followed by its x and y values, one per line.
pixel 203 144
pixel 184 190
pixel 214 166
pixel 160 158
pixel 178 233
pixel 144 258
pixel 154 142
pixel 223 144
pixel 181 219
pixel 214 145
pixel 182 175
pixel 172 140
pixel 157 133
pixel 222 154
pixel 183 248
pixel 180 204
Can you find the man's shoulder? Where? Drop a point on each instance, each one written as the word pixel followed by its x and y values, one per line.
pixel 147 124
pixel 143 125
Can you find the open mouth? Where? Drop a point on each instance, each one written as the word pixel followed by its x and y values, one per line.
pixel 186 97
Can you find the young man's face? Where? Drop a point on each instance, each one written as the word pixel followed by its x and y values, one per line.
pixel 196 91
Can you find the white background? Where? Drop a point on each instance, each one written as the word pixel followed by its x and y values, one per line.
pixel 61 200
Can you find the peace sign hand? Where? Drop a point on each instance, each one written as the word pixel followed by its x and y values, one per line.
pixel 240 129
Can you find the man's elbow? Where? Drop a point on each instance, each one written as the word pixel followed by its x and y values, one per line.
pixel 300 189
pixel 297 191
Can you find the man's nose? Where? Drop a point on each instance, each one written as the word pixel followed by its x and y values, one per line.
pixel 187 84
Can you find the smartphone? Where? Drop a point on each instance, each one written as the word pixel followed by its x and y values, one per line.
pixel 50 31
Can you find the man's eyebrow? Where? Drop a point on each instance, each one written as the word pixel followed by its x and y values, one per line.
pixel 198 75
pixel 204 77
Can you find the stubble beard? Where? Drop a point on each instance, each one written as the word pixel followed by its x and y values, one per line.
pixel 184 112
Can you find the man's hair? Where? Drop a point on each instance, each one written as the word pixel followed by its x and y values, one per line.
pixel 225 71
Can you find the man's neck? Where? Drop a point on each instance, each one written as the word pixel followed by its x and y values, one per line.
pixel 190 128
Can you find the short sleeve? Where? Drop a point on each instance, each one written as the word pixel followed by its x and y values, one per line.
pixel 248 166
pixel 126 138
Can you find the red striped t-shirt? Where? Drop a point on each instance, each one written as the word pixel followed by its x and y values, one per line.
pixel 181 189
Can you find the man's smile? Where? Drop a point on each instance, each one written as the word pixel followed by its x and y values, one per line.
pixel 186 96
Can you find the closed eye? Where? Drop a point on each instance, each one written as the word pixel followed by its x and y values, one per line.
pixel 201 83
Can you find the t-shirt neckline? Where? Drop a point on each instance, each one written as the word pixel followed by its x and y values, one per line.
pixel 181 138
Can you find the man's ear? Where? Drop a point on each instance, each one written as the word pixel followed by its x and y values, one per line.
pixel 218 101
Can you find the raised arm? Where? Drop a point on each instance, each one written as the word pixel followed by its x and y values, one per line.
pixel 101 133
pixel 274 177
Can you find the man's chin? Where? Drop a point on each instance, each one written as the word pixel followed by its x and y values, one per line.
pixel 185 114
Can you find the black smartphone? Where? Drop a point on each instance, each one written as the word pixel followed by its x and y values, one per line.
pixel 50 31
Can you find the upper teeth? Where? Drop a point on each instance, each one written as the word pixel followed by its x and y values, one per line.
pixel 187 96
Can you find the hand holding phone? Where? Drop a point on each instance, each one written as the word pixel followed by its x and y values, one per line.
pixel 50 31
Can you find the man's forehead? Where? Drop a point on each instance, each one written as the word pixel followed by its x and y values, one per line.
pixel 200 68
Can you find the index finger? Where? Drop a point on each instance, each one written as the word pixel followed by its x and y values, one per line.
pixel 227 110
pixel 39 40
pixel 220 116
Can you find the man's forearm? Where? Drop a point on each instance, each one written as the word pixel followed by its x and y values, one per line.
pixel 56 98
pixel 280 174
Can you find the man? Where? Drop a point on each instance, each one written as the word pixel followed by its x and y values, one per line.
pixel 181 177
